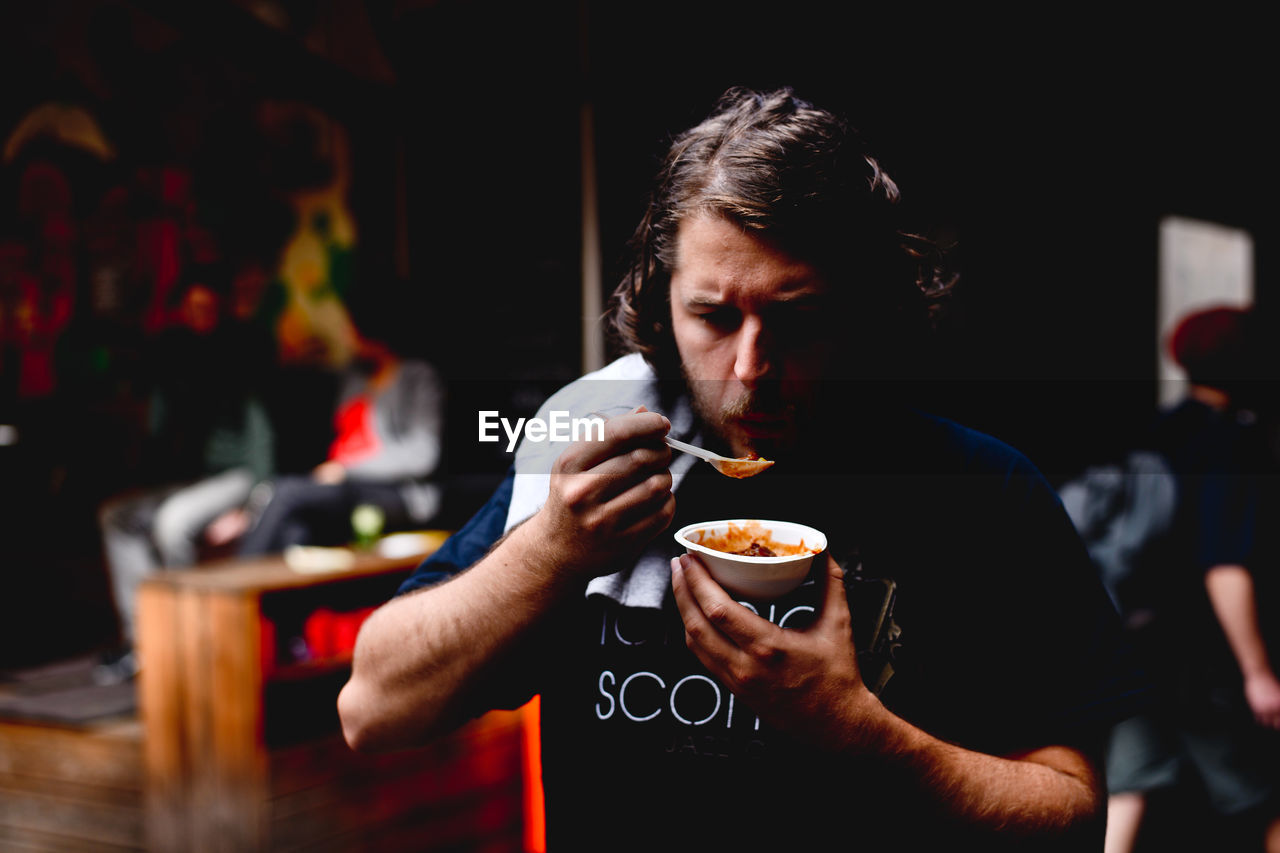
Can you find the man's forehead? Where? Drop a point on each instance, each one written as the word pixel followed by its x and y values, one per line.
pixel 717 259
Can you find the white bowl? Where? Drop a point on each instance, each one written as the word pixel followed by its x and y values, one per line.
pixel 756 578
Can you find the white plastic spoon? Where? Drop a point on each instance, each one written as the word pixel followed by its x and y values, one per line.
pixel 730 467
pixel 737 468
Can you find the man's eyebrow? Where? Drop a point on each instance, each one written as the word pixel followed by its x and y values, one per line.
pixel 798 297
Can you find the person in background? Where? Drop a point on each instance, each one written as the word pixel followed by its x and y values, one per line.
pixel 210 439
pixel 945 678
pixel 387 433
pixel 1211 638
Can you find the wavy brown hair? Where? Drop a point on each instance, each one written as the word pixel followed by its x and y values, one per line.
pixel 801 177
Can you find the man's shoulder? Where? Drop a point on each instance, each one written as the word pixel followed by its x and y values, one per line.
pixel 957 446
pixel 630 366
pixel 625 382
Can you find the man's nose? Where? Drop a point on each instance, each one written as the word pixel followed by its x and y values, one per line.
pixel 754 359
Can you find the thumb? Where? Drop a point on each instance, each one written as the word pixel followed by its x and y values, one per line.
pixel 835 606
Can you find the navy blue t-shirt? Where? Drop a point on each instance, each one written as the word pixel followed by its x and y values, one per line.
pixel 974 603
pixel 1226 487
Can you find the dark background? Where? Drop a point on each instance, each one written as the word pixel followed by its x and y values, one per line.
pixel 1049 146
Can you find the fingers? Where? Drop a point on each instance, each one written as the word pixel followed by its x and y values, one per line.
pixel 649 505
pixel 1268 717
pixel 629 469
pixel 625 484
pixel 621 473
pixel 1263 697
pixel 711 617
pixel 714 621
pixel 647 520
pixel 621 434
pixel 608 497
pixel 835 617
pixel 703 639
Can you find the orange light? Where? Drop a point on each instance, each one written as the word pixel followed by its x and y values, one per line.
pixel 535 834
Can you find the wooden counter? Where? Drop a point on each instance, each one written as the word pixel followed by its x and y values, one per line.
pixel 242 750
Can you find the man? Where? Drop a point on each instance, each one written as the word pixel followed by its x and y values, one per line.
pixel 946 673
pixel 1205 604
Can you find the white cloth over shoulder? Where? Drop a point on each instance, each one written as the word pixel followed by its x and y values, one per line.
pixel 614 389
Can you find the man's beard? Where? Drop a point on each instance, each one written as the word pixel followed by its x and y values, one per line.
pixel 766 400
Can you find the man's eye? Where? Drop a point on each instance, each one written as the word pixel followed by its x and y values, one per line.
pixel 798 321
pixel 721 318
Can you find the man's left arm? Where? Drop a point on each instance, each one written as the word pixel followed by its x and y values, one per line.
pixel 807 682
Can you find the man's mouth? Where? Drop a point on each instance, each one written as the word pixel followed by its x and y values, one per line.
pixel 762 426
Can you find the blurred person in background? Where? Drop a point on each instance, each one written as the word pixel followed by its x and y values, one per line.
pixel 1208 612
pixel 947 675
pixel 387 431
pixel 209 440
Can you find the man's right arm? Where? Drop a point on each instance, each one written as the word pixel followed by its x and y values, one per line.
pixel 418 657
pixel 1231 593
pixel 420 660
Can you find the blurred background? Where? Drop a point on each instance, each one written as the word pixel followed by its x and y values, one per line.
pixel 473 169
pixel 465 173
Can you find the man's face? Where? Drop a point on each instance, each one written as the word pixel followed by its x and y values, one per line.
pixel 748 321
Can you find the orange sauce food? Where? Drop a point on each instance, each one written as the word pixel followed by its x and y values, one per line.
pixel 744 466
pixel 749 540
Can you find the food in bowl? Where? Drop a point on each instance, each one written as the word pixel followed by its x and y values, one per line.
pixel 750 539
pixel 754 558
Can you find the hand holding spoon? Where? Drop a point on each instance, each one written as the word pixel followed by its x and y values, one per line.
pixel 739 468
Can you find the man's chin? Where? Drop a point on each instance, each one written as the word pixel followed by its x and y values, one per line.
pixel 769 439
pixel 763 429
